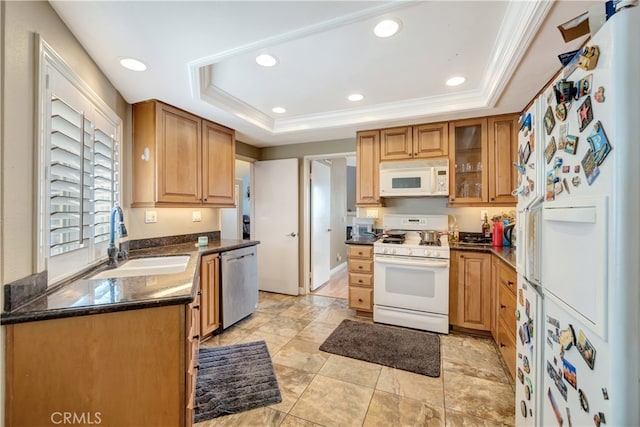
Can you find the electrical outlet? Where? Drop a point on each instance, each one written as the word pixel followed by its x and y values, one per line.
pixel 150 217
pixel 195 216
pixel 484 213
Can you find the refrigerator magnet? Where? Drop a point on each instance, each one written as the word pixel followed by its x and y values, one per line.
pixel 532 141
pixel 587 351
pixel 550 150
pixel 575 181
pixel 553 321
pixel 605 393
pixel 562 130
pixel 584 403
pixel 561 112
pixel 549 121
pixel 527 307
pixel 583 87
pixel 603 420
pixel 597 420
pixel 569 373
pixel 565 184
pixel 564 91
pixel 526 153
pixel 530 386
pixel 588 58
pixel 521 296
pixel 566 169
pixel 521 376
pixel 567 338
pixel 590 167
pixel 523 408
pixel 599 95
pixel 576 169
pixel 599 143
pixel 561 386
pixel 554 406
pixel 571 146
pixel 527 392
pixel 525 365
pixel 585 114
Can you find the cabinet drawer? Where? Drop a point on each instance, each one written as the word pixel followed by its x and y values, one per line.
pixel 360 251
pixel 360 266
pixel 507 307
pixel 507 277
pixel 357 279
pixel 361 298
pixel 507 345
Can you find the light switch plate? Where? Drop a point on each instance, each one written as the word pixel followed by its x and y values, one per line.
pixel 150 217
pixel 196 216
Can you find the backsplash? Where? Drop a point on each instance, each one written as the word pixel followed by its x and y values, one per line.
pixel 168 240
pixel 23 290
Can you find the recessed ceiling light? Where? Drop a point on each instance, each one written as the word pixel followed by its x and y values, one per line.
pixel 386 28
pixel 355 97
pixel 133 64
pixel 279 110
pixel 266 60
pixel 455 81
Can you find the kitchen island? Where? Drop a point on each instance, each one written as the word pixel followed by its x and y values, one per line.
pixel 115 351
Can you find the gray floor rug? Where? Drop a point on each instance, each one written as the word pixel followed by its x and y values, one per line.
pixel 401 348
pixel 234 379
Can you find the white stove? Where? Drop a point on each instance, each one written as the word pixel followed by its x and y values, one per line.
pixel 411 280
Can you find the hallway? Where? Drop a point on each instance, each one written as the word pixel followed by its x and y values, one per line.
pixel 336 287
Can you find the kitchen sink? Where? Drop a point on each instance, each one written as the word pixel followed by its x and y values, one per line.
pixel 150 266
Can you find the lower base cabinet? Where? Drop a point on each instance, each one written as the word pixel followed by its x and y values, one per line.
pixel 470 290
pixel 360 265
pixel 210 294
pixel 129 368
pixel 505 283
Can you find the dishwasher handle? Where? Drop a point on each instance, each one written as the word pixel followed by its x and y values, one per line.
pixel 240 257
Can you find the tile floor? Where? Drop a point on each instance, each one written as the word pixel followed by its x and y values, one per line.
pixel 323 389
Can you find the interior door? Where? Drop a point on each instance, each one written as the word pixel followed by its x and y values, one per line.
pixel 275 201
pixel 320 223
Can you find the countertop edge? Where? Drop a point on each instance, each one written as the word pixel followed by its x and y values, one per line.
pixel 15 317
pixel 497 251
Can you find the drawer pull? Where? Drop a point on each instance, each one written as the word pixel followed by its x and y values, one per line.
pixel 359 253
pixel 359 280
pixel 360 267
pixel 359 299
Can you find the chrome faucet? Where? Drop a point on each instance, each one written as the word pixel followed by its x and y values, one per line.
pixel 112 252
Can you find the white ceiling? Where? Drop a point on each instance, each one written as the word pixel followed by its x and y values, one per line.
pixel 201 57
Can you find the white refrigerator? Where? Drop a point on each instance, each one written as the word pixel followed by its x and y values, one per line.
pixel 589 253
pixel 528 297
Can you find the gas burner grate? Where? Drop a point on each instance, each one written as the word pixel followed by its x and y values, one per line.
pixel 394 240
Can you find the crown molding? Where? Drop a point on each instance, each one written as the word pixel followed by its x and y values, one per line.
pixel 519 26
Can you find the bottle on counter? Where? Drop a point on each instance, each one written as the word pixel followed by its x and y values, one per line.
pixel 486 228
pixel 498 231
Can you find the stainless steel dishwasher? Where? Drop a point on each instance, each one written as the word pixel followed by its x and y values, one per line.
pixel 239 284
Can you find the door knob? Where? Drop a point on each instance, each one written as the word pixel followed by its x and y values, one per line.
pixel 292 234
pixel 328 229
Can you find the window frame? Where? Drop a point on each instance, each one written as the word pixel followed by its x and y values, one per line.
pixel 47 58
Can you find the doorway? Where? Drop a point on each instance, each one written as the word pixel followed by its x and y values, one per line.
pixel 235 223
pixel 325 233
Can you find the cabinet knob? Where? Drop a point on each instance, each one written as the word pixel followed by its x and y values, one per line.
pixel 510 283
pixel 359 299
pixel 359 253
pixel 502 306
pixel 452 199
pixel 205 199
pixel 502 345
pixel 493 198
pixel 360 267
pixel 415 154
pixel 359 280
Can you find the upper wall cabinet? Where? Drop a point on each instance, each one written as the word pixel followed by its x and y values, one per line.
pixel 414 142
pixel 180 159
pixel 368 168
pixel 481 156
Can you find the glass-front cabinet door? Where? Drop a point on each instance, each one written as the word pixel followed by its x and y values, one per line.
pixel 469 161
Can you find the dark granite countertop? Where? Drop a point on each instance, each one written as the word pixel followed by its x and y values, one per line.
pixel 361 240
pixel 505 253
pixel 82 296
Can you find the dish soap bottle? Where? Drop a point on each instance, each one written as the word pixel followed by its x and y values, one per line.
pixel 486 228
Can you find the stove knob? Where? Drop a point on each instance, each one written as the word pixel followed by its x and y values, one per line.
pixel 385 250
pixel 426 252
pixel 436 253
pixel 393 250
pixel 409 252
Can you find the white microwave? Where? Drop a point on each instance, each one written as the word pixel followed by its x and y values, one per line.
pixel 412 178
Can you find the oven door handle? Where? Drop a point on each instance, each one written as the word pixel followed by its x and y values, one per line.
pixel 411 263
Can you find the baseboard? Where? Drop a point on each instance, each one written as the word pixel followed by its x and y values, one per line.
pixel 337 268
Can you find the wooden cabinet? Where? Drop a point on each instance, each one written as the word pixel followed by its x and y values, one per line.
pixel 414 142
pixel 180 159
pixel 192 352
pixel 115 369
pixel 503 147
pixel 468 157
pixel 505 309
pixel 481 156
pixel 360 265
pixel 368 168
pixel 470 290
pixel 210 288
